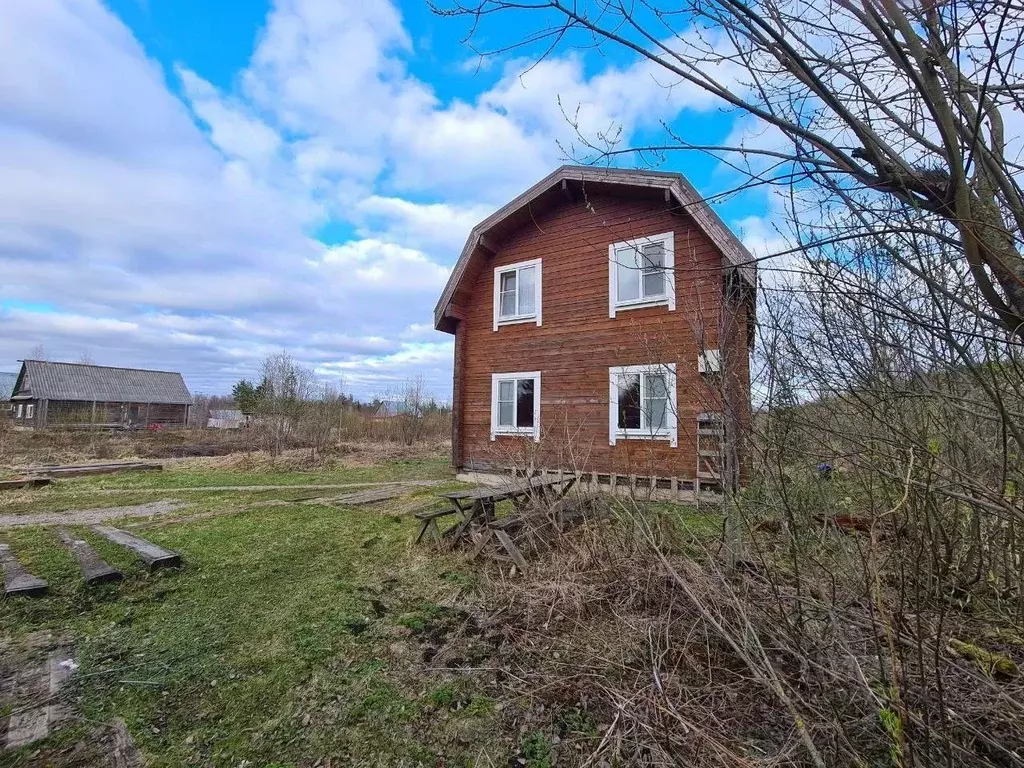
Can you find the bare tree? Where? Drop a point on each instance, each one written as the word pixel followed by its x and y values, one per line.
pixel 322 417
pixel 897 119
pixel 286 386
pixel 889 432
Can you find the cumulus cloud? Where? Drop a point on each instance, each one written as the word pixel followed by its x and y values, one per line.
pixel 179 231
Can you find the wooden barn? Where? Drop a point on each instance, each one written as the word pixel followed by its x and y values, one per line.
pixel 76 395
pixel 602 324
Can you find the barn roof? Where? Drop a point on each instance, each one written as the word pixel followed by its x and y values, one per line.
pixel 44 380
pixel 568 180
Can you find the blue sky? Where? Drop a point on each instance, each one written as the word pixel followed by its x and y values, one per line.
pixel 195 185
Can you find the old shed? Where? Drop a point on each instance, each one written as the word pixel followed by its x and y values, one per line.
pixel 77 395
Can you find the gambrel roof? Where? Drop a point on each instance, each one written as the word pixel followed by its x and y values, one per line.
pixel 569 180
pixel 43 380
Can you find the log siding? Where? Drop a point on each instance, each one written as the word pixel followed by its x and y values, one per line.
pixel 579 343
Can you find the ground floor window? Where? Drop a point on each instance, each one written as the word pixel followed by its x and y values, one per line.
pixel 642 403
pixel 19 412
pixel 515 404
pixel 29 410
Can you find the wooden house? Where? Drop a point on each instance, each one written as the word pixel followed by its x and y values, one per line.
pixel 75 395
pixel 602 324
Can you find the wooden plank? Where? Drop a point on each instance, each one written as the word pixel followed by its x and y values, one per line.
pixel 18 581
pixel 154 556
pixel 481 542
pixel 428 525
pixel 24 482
pixel 370 496
pixel 94 569
pixel 502 492
pixel 511 548
pixel 433 514
pixel 77 470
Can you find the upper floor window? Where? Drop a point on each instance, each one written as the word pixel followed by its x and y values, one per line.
pixel 641 273
pixel 642 403
pixel 517 293
pixel 515 404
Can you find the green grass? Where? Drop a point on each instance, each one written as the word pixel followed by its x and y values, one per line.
pixel 143 487
pixel 176 476
pixel 292 632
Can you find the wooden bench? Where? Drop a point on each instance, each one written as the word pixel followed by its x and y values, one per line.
pixel 428 522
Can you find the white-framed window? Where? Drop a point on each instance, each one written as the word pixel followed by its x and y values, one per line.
pixel 642 403
pixel 517 294
pixel 641 273
pixel 19 411
pixel 29 410
pixel 515 404
pixel 709 361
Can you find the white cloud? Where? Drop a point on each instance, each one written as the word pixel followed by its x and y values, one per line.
pixel 375 265
pixel 179 233
pixel 440 228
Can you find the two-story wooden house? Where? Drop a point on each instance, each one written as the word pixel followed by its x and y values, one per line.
pixel 602 324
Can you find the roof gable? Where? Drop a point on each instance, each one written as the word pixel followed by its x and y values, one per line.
pixel 673 186
pixel 74 381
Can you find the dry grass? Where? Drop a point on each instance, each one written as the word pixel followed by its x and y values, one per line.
pixel 214 448
pixel 630 643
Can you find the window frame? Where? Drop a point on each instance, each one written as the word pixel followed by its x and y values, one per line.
pixel 500 431
pixel 30 410
pixel 671 430
pixel 532 317
pixel 667 299
pixel 19 410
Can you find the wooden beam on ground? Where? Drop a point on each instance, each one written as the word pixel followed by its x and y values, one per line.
pixel 78 470
pixel 18 581
pixel 24 482
pixel 154 556
pixel 94 569
pixel 513 551
pixel 369 496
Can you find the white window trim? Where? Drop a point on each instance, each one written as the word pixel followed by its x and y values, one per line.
pixel 30 410
pixel 533 431
pixel 19 410
pixel 709 361
pixel 670 432
pixel 669 299
pixel 533 316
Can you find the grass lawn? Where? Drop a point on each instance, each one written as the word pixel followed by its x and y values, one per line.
pixel 294 633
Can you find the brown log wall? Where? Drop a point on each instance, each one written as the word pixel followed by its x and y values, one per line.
pixel 578 343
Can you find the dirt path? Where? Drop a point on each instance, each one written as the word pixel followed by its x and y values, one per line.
pixel 257 488
pixel 91 516
pixel 166 506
